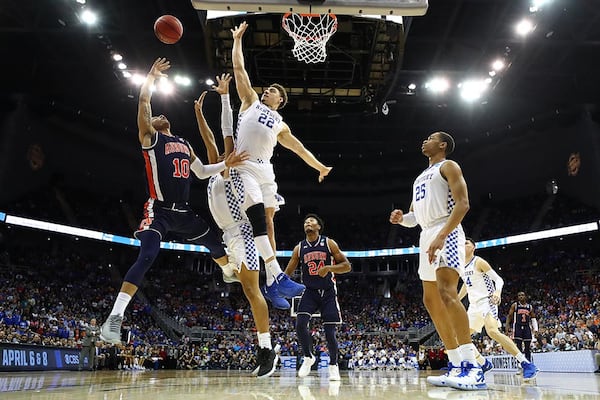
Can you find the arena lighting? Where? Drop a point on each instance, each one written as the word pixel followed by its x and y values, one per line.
pixel 209 82
pixel 412 86
pixel 472 90
pixel 537 5
pixel 122 66
pixel 107 237
pixel 138 79
pixel 498 65
pixel 182 80
pixel 89 17
pixel 437 85
pixel 524 27
pixel 117 57
pixel 165 86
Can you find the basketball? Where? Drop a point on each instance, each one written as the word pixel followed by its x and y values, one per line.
pixel 168 29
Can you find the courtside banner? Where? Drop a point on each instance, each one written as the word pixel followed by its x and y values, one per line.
pixel 21 357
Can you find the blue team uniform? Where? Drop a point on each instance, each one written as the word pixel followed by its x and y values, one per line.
pixel 321 292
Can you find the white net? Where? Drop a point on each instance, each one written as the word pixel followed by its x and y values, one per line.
pixel 310 33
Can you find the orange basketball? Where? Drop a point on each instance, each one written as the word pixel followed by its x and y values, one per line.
pixel 168 29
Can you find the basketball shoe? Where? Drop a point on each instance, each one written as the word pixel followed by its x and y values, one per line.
pixel 229 275
pixel 334 373
pixel 441 380
pixel 267 362
pixel 488 366
pixel 111 329
pixel 470 378
pixel 287 287
pixel 272 294
pixel 306 365
pixel 530 371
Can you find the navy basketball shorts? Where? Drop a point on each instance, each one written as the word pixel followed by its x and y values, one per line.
pixel 324 300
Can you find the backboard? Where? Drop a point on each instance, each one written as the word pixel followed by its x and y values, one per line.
pixel 341 7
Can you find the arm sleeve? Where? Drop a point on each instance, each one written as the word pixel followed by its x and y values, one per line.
pixel 226 116
pixel 409 220
pixel 204 171
pixel 534 324
pixel 498 281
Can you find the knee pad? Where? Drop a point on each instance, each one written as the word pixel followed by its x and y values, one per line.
pixel 256 215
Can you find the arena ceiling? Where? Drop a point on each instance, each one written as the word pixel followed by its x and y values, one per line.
pixel 54 62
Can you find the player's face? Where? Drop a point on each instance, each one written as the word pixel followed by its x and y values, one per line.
pixel 521 296
pixel 311 225
pixel 431 145
pixel 271 97
pixel 160 123
pixel 469 248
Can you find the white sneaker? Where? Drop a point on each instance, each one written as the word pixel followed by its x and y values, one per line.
pixel 334 373
pixel 471 378
pixel 229 271
pixel 441 380
pixel 306 365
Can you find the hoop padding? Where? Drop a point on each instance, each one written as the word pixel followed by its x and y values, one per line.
pixel 310 33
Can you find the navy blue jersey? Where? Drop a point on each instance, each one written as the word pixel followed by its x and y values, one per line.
pixel 521 320
pixel 168 168
pixel 314 256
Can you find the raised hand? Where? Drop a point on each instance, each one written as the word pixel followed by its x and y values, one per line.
pixel 198 103
pixel 222 86
pixel 160 64
pixel 235 158
pixel 238 31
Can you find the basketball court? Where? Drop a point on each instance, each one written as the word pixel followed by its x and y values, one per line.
pixel 217 385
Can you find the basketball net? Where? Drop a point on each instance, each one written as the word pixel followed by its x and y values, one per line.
pixel 310 33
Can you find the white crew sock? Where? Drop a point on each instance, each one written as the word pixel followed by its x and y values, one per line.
pixel 121 304
pixel 467 352
pixel 264 340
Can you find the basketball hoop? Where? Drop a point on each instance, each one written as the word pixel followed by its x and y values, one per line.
pixel 310 33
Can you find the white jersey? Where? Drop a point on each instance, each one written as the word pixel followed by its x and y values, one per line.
pixel 432 200
pixel 257 131
pixel 480 286
pixel 225 197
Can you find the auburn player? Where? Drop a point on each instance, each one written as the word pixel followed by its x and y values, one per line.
pixel 321 259
pixel 519 321
pixel 169 162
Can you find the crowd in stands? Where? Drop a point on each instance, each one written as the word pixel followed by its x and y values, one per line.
pixel 52 284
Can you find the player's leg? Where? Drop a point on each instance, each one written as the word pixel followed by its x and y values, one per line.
pixel 332 317
pixel 476 323
pixel 149 248
pixel 307 306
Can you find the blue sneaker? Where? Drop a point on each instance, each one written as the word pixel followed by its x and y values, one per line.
pixel 272 294
pixel 530 371
pixel 488 366
pixel 287 287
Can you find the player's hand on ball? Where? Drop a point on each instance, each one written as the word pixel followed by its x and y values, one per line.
pixel 323 271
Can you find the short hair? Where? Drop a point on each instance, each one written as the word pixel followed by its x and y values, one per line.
pixel 449 140
pixel 468 239
pixel 282 93
pixel 319 220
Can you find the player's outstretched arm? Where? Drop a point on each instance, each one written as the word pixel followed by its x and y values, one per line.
pixel 212 151
pixel 144 118
pixel 226 112
pixel 289 141
pixel 242 80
